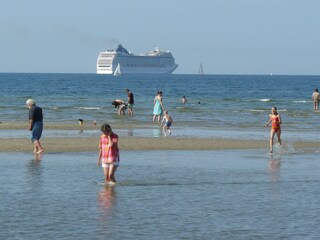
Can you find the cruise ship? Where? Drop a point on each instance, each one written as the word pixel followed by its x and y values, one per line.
pixel 119 61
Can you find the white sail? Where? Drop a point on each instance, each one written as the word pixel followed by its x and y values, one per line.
pixel 117 71
pixel 201 72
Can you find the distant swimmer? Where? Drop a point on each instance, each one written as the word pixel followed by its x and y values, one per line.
pixel 109 153
pixel 316 98
pixel 183 100
pixel 275 119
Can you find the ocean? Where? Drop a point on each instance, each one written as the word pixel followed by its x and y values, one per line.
pixel 218 194
pixel 230 106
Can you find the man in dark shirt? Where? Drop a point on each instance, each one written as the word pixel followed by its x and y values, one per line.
pixel 130 102
pixel 35 125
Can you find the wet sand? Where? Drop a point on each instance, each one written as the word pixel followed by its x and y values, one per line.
pixel 85 144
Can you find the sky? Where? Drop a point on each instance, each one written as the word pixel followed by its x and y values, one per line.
pixel 226 36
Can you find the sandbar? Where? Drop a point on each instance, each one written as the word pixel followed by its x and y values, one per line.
pixel 88 144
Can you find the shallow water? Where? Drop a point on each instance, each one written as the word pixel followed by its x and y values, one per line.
pixel 155 131
pixel 245 194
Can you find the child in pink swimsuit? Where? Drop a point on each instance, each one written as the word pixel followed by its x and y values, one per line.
pixel 109 153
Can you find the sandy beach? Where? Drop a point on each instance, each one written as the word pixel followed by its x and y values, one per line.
pixel 86 144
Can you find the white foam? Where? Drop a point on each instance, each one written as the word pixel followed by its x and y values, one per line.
pixel 88 108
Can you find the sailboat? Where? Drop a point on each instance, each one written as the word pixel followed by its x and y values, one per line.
pixel 117 71
pixel 201 72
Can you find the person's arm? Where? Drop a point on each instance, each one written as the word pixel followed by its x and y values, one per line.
pixel 112 140
pixel 280 120
pixel 30 124
pixel 162 121
pixel 161 103
pixel 270 120
pixel 31 117
pixel 99 158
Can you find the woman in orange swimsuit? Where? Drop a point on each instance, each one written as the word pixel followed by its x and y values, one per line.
pixel 275 119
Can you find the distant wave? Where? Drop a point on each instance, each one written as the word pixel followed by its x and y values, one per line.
pixel 248 100
pixel 259 100
pixel 301 101
pixel 255 110
pixel 88 108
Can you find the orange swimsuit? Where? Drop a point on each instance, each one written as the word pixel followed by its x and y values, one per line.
pixel 275 123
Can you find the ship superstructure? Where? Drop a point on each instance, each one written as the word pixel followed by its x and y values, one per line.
pixel 153 62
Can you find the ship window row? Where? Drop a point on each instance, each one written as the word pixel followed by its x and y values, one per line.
pixel 144 65
pixel 104 61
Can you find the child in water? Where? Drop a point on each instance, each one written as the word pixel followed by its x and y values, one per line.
pixel 167 120
pixel 275 127
pixel 109 153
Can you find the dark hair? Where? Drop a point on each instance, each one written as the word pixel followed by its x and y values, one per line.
pixel 316 90
pixel 275 109
pixel 116 104
pixel 105 128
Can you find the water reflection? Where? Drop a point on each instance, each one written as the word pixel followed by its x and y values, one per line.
pixel 274 167
pixel 34 171
pixel 38 157
pixel 34 165
pixel 107 199
pixel 157 132
pixel 274 173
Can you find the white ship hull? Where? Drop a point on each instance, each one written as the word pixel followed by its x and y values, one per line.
pixel 154 62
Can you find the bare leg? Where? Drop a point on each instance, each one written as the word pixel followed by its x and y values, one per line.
pixel 38 147
pixel 154 117
pixel 278 136
pixel 271 140
pixel 35 150
pixel 165 130
pixel 106 174
pixel 112 171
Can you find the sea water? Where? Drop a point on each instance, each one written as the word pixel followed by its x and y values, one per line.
pixel 241 194
pixel 218 105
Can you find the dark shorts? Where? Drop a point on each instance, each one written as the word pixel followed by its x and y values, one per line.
pixel 36 131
